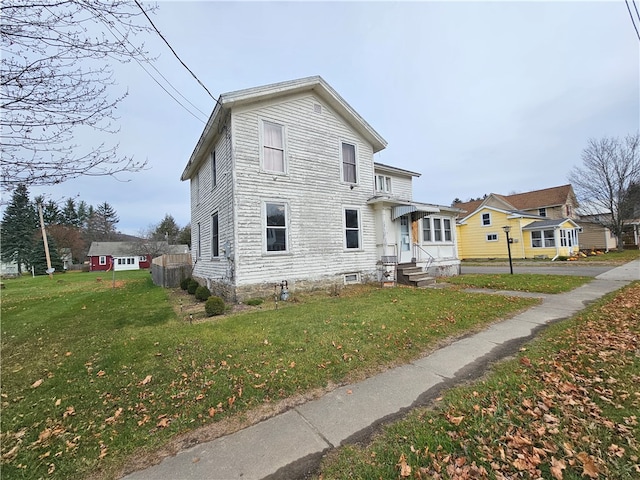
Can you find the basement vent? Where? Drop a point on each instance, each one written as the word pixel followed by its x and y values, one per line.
pixel 350 278
pixel 317 108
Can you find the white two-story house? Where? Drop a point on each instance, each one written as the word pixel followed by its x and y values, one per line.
pixel 284 188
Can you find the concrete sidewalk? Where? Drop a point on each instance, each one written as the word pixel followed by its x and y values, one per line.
pixel 291 444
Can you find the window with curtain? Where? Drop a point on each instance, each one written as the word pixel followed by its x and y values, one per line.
pixel 352 228
pixel 273 147
pixel 349 163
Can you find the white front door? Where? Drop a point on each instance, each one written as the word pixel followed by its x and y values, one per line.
pixel 405 240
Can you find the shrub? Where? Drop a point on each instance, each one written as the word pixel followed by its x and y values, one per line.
pixel 192 286
pixel 214 306
pixel 184 283
pixel 254 301
pixel 202 293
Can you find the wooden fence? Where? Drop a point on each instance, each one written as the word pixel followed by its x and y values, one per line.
pixel 169 270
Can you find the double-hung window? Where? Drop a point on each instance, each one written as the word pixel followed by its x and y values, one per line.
pixel 437 230
pixel 198 249
pixel 349 170
pixel 214 173
pixel 276 227
pixel 426 230
pixel 102 260
pixel 272 147
pixel 352 228
pixel 486 219
pixel 447 229
pixel 215 236
pixel 542 239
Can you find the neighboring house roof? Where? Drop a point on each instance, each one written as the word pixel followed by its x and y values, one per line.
pixel 123 249
pixel 547 197
pixel 542 224
pixel 273 92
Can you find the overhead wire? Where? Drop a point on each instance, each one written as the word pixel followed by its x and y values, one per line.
pixel 630 16
pixel 174 52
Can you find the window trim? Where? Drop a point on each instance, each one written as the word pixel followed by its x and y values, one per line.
pixel 214 170
pixel 283 130
pixel 482 223
pixel 102 260
pixel 346 229
pixel 356 278
pixel 199 247
pixel 545 241
pixel 446 235
pixel 492 239
pixel 542 212
pixel 266 227
pixel 383 183
pixel 215 237
pixel 355 164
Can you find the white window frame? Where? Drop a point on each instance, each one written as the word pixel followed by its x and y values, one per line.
pixel 383 183
pixel 542 212
pixel 267 227
pixel 492 237
pixel 196 187
pixel 351 278
pixel 199 245
pixel 442 234
pixel 446 230
pixel 142 258
pixel 283 131
pixel 544 241
pixel 102 260
pixel 215 236
pixel 357 229
pixel 214 170
pixel 355 165
pixel 482 217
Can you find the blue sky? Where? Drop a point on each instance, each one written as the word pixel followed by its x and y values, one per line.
pixel 479 97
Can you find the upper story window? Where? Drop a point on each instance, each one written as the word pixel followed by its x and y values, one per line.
pixel 199 238
pixel 196 187
pixel 273 147
pixel 486 219
pixel 276 223
pixel 352 228
pixel 569 211
pixel 542 212
pixel 383 184
pixel 349 171
pixel 214 172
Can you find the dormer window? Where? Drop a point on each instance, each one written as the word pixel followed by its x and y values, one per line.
pixel 542 212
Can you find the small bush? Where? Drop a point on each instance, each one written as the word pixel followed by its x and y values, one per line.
pixel 214 306
pixel 254 301
pixel 192 286
pixel 202 293
pixel 184 283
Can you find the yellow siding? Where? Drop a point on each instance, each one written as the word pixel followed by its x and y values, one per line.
pixel 472 236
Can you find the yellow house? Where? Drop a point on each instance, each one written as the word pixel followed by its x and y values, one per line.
pixel 482 233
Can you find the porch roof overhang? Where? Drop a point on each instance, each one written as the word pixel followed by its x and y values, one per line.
pixel 420 210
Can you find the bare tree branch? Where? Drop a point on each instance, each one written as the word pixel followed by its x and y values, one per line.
pixel 55 79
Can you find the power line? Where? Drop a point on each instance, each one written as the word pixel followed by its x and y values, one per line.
pixel 174 52
pixel 630 16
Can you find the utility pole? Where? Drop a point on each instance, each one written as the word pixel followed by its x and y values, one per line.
pixel 46 243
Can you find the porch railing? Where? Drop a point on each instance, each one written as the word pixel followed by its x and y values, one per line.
pixel 417 254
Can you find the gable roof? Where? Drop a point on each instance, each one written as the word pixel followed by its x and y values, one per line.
pixel 275 91
pixel 547 197
pixel 125 249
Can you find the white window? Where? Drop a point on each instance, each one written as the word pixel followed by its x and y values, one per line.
pixel 351 278
pixel 542 212
pixel 215 245
pixel 447 229
pixel 214 173
pixel 273 147
pixel 102 260
pixel 349 170
pixel 437 230
pixel 568 238
pixel 352 228
pixel 196 187
pixel 383 183
pixel 276 227
pixel 486 219
pixel 542 239
pixel 492 237
pixel 426 229
pixel 142 258
pixel 198 249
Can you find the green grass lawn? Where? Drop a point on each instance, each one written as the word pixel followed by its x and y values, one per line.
pixel 520 282
pixel 566 408
pixel 94 372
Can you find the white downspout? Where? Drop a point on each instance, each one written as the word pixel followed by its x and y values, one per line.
pixel 556 240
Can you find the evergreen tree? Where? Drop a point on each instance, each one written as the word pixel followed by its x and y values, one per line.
pixel 101 224
pixel 50 211
pixel 70 214
pixel 38 257
pixel 184 237
pixel 19 225
pixel 167 229
pixel 84 212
